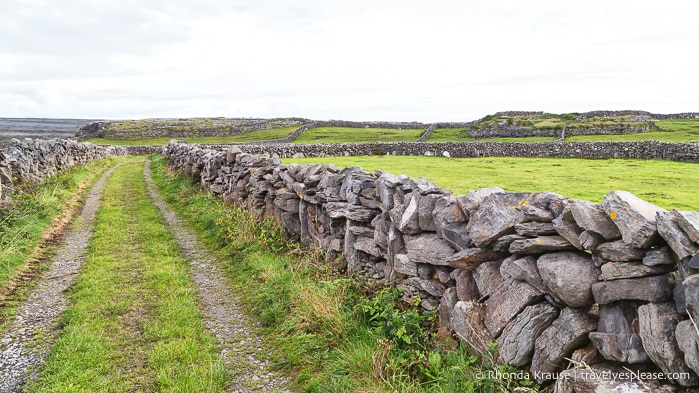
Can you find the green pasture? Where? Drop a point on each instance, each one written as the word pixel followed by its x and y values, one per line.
pixel 353 135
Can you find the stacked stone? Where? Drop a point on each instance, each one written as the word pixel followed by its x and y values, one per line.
pixel 38 159
pixel 545 277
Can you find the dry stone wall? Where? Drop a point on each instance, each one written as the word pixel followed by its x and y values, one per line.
pixel 545 277
pixel 37 159
pixel 641 150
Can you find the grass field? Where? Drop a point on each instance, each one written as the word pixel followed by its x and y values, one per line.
pixel 260 135
pixel 352 135
pixel 668 184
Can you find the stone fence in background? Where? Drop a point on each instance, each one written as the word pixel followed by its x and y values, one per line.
pixel 641 150
pixel 38 159
pixel 545 277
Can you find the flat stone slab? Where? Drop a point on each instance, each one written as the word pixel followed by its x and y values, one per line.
pixel 688 343
pixel 592 218
pixel 649 289
pixel 622 270
pixel 523 269
pixel 467 323
pixel 657 325
pixel 569 276
pixel 471 258
pixel 619 251
pixel 540 245
pixel 516 343
pixel 675 237
pixel 428 248
pixel 617 336
pixel 604 377
pixel 635 218
pixel 566 334
pixel 689 222
pixel 506 302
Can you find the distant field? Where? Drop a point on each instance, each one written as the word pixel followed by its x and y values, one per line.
pixel 666 183
pixel 682 130
pixel 260 135
pixel 353 135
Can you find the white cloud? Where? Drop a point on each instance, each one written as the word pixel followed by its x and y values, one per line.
pixel 381 59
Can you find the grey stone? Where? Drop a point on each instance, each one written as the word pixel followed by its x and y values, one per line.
pixel 403 265
pixel 689 222
pixel 635 218
pixel 367 245
pixel 361 213
pixel 616 337
pixel 688 343
pixel 694 262
pixel 426 207
pixel 456 234
pixel 604 377
pixel 409 223
pixel 649 289
pixel 566 226
pixel 473 199
pixel 495 218
pixel 621 270
pixel 446 305
pixel 488 278
pixel 425 271
pixel 540 245
pixel 467 323
pixel 506 301
pixel 589 241
pixel 566 334
pixel 535 229
pixel 535 213
pixel 516 343
pixel 470 258
pixel 523 269
pixel 569 276
pixel 657 325
pixel 680 300
pixel 674 235
pixel 503 243
pixel 659 256
pixel 620 251
pixel 466 288
pixel 432 287
pixel 428 248
pixel 444 275
pixel 691 293
pixel 592 218
pixel 447 212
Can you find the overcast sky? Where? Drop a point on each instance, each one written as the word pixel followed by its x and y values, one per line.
pixel 345 59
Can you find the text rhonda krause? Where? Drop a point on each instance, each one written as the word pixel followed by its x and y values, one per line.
pixel 584 374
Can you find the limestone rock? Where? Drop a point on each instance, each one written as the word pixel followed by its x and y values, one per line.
pixel 659 256
pixel 494 219
pixel 616 337
pixel 540 245
pixel 688 343
pixel 446 305
pixel 535 229
pixel 409 223
pixel 426 207
pixel 601 378
pixel 447 211
pixel 523 269
pixel 569 276
pixel 675 236
pixel 488 278
pixel 506 301
pixel 657 325
pixel 566 334
pixel 621 270
pixel 467 323
pixel 689 222
pixel 470 258
pixel 503 244
pixel 473 199
pixel 403 265
pixel 566 226
pixel 691 293
pixel 516 343
pixel 456 234
pixel 592 218
pixel 428 248
pixel 649 289
pixel 620 251
pixel 635 218
pixel 466 288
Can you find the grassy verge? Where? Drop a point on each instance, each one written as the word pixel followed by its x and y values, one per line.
pixel 133 324
pixel 664 183
pixel 33 217
pixel 352 135
pixel 333 334
pixel 450 134
pixel 252 136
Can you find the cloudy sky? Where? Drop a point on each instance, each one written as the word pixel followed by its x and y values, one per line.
pixel 345 59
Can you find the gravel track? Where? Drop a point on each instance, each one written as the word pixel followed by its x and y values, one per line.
pixel 236 333
pixel 33 330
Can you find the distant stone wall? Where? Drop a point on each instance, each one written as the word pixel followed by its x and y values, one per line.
pixel 36 160
pixel 545 277
pixel 641 150
pixel 514 131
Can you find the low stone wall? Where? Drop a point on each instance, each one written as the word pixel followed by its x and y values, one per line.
pixel 514 131
pixel 641 150
pixel 545 277
pixel 38 159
